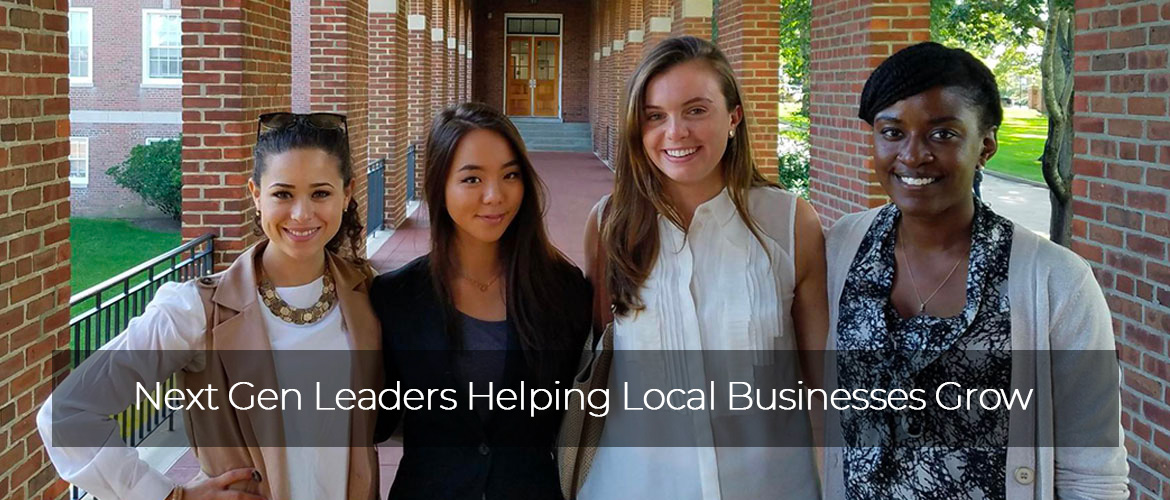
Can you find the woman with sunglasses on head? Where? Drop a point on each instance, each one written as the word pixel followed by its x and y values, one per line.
pixel 293 292
pixel 492 303
pixel 702 254
pixel 935 289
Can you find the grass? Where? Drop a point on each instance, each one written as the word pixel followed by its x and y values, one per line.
pixel 1021 141
pixel 103 248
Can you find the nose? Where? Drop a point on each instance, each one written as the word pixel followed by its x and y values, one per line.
pixel 492 194
pixel 676 129
pixel 915 152
pixel 302 210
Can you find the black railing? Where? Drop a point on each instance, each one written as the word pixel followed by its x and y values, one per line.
pixel 410 166
pixel 104 310
pixel 375 196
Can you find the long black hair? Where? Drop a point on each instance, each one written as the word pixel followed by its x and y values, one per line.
pixel 544 289
pixel 335 142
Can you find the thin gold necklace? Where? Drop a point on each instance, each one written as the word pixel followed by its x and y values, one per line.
pixel 914 282
pixel 483 287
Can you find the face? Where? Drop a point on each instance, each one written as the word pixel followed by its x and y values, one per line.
pixel 687 124
pixel 484 186
pixel 301 198
pixel 926 150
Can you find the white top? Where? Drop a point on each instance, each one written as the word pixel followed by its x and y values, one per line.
pixel 712 289
pixel 1056 304
pixel 175 320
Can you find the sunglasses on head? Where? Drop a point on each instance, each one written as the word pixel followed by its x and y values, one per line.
pixel 324 121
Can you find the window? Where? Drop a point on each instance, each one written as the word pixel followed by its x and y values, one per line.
pixel 161 47
pixel 527 26
pixel 79 161
pixel 81 46
pixel 152 140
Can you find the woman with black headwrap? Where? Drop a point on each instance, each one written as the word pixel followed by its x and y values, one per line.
pixel 935 290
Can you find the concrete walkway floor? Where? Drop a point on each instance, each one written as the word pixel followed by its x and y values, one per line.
pixel 1025 204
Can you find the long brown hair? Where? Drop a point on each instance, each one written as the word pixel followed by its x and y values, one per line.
pixel 630 229
pixel 539 277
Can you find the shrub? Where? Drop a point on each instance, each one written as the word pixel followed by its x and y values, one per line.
pixel 154 171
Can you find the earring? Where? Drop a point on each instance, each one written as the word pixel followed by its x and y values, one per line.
pixel 731 134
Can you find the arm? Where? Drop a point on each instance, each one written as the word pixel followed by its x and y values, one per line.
pixel 80 439
pixel 810 311
pixel 1086 394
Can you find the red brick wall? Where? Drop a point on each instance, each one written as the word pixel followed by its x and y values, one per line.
pixel 748 35
pixel 388 102
pixel 698 26
pixel 34 232
pixel 1122 221
pixel 300 56
pixel 109 145
pixel 419 84
pixel 222 38
pixel 849 39
pixel 488 39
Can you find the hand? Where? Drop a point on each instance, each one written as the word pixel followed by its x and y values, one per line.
pixel 216 488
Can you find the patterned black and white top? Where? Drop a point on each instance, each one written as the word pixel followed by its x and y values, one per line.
pixel 918 455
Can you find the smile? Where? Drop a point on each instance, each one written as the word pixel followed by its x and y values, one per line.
pixel 301 234
pixel 680 153
pixel 493 219
pixel 917 181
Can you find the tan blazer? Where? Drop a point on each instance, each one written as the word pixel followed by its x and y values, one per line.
pixel 235 324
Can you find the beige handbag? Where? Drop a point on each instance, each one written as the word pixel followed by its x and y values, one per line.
pixel 581 432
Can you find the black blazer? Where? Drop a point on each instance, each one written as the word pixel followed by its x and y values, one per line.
pixel 452 454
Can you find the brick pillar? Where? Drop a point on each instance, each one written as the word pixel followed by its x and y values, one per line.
pixel 849 39
pixel 469 62
pixel 617 80
pixel 634 37
pixel 451 85
pixel 691 17
pixel 418 81
pixel 461 53
pixel 339 46
pixel 656 21
pixel 604 104
pixel 438 86
pixel 596 79
pixel 388 101
pixel 231 74
pixel 1122 220
pixel 749 34
pixel 34 232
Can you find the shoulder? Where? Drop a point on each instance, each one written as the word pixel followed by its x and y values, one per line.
pixel 853 223
pixel 593 221
pixel 1049 265
pixel 404 283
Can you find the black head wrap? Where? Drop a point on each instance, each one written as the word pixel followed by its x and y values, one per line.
pixel 927 65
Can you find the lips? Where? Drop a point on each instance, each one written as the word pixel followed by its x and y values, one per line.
pixel 680 154
pixel 493 218
pixel 301 234
pixel 916 180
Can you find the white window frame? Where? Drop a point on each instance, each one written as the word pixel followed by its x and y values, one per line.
pixel 78 181
pixel 152 140
pixel 84 81
pixel 147 81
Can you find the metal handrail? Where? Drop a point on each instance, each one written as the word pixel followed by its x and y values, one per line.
pixel 98 288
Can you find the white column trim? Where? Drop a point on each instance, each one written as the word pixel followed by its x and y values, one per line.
pixel 660 24
pixel 597 56
pixel 635 36
pixel 383 6
pixel 697 8
pixel 416 22
pixel 452 43
pixel 605 51
pixel 436 34
pixel 618 45
pixel 462 49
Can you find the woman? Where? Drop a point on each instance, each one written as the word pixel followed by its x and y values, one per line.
pixel 493 304
pixel 289 293
pixel 936 288
pixel 701 254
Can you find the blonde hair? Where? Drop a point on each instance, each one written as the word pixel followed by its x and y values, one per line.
pixel 629 231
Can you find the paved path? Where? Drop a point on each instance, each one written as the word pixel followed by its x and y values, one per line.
pixel 1023 203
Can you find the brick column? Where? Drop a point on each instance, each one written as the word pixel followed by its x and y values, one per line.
pixel 604 105
pixel 461 53
pixel 388 102
pixel 236 65
pixel 451 85
pixel 634 37
pixel 418 81
pixel 1122 222
pixel 656 21
pixel 691 17
pixel 749 34
pixel 339 83
pixel 34 233
pixel 849 39
pixel 596 77
pixel 438 86
pixel 617 80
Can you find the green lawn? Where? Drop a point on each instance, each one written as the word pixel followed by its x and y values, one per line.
pixel 103 248
pixel 1021 141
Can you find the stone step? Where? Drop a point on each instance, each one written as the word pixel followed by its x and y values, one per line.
pixel 548 135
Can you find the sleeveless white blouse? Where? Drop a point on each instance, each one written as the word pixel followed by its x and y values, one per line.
pixel 715 289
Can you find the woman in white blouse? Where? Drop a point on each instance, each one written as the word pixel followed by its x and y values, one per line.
pixel 702 254
pixel 287 299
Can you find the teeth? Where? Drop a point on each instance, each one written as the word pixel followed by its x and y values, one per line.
pixel 918 181
pixel 679 153
pixel 301 233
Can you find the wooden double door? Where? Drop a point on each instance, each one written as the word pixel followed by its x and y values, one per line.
pixel 533 75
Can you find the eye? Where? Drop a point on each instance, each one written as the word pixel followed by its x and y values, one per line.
pixel 321 194
pixel 890 133
pixel 697 111
pixel 470 180
pixel 654 116
pixel 512 175
pixel 282 195
pixel 944 135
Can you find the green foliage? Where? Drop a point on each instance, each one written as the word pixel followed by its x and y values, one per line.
pixel 793 151
pixel 795 26
pixel 154 172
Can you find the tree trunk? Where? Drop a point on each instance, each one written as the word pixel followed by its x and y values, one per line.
pixel 1056 163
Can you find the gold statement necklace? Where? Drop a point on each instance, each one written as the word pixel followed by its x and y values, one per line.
pixel 297 315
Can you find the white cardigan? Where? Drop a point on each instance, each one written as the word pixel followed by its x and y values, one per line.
pixel 1056 304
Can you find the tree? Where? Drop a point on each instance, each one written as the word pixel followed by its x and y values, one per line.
pixel 795 28
pixel 154 171
pixel 979 25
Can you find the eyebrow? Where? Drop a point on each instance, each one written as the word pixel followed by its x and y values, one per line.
pixel 290 186
pixel 472 166
pixel 691 100
pixel 933 121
